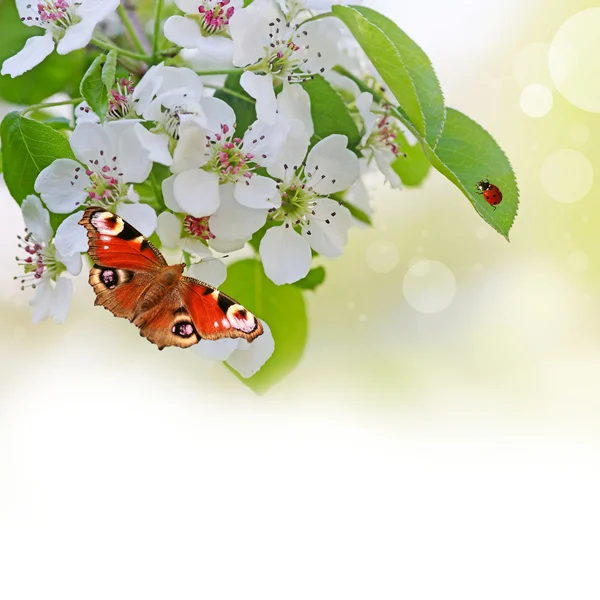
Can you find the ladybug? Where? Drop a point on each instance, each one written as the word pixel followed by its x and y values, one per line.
pixel 491 193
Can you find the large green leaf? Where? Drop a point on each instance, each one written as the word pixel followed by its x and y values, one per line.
pixel 313 280
pixel 93 87
pixel 28 147
pixel 413 165
pixel 329 112
pixel 243 105
pixel 387 60
pixel 282 307
pixel 420 69
pixel 56 74
pixel 466 154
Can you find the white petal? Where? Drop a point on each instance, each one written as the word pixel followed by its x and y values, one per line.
pixel 89 139
pixel 249 357
pixel 294 103
pixel 335 162
pixel 140 216
pixel 156 145
pixel 215 349
pixel 132 158
pixel 330 238
pixel 260 87
pixel 197 192
pixel 384 162
pixel 363 104
pixel 216 52
pixel 37 218
pixel 76 37
pixel 212 271
pixel 292 152
pixel 191 151
pixel 249 28
pixel 265 141
pixel 233 221
pixel 168 228
pixel 322 41
pixel 96 10
pixel 36 49
pixel 73 262
pixel 169 195
pixel 183 32
pixel 258 192
pixel 218 114
pixel 61 302
pixel 62 185
pixel 71 237
pixel 195 246
pixel 286 256
pixel 42 301
pixel 343 83
pixel 83 114
pixel 224 246
pixel 147 88
pixel 173 78
pixel 187 6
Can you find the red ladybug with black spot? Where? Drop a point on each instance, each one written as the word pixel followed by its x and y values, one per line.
pixel 491 193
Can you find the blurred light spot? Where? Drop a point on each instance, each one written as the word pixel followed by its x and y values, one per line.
pixel 531 65
pixel 362 317
pixel 578 261
pixel 382 256
pixel 573 60
pixel 536 101
pixel 567 176
pixel 351 305
pixel 429 286
pixel 579 134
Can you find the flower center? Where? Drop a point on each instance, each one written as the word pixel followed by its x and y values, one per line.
pixel 54 15
pixel 40 261
pixel 214 16
pixel 385 134
pixel 106 182
pixel 120 99
pixel 198 227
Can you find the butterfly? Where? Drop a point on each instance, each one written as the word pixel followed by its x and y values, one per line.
pixel 132 279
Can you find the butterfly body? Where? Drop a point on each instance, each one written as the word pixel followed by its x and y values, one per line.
pixel 132 279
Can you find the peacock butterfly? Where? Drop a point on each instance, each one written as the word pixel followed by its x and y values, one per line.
pixel 132 279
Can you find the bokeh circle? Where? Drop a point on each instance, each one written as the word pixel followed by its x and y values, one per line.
pixel 429 286
pixel 567 176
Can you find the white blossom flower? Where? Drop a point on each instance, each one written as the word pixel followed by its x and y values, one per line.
pixel 291 8
pixel 111 158
pixel 265 41
pixel 44 264
pixel 307 218
pixel 380 138
pixel 207 160
pixel 247 358
pixel 204 27
pixel 68 23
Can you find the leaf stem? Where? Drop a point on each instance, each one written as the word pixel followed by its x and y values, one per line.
pixel 221 72
pixel 130 29
pixel 155 39
pixel 50 105
pixel 107 46
pixel 232 93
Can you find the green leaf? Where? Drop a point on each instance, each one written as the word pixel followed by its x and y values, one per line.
pixel 356 212
pixel 28 147
pixel 466 154
pixel 329 112
pixel 93 88
pixel 58 123
pixel 420 69
pixel 55 74
pixel 243 105
pixel 281 307
pixel 387 60
pixel 313 280
pixel 414 166
pixel 109 70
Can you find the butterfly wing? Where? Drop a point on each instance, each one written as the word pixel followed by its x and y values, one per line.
pixel 215 315
pixel 125 262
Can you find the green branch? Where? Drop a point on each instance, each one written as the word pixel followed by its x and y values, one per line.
pixel 155 39
pixel 130 29
pixel 44 105
pixel 108 46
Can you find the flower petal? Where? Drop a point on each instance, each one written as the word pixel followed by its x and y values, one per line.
pixel 169 195
pixel 215 349
pixel 292 152
pixel 197 192
pixel 363 104
pixel 37 218
pixel 132 158
pixel 224 246
pixel 332 166
pixel 36 49
pixel 73 262
pixel 218 114
pixel 294 103
pixel 42 301
pixel 248 358
pixel 183 32
pixel 168 228
pixel 384 162
pixel 260 87
pixel 76 36
pixel 89 139
pixel 61 301
pixel 190 152
pixel 156 145
pixel 62 185
pixel 232 221
pixel 71 237
pixel 212 271
pixel 140 216
pixel 84 113
pixel 257 192
pixel 330 238
pixel 286 256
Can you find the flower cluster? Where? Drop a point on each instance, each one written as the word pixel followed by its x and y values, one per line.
pixel 213 186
